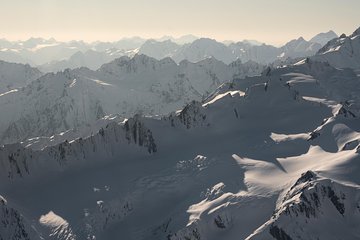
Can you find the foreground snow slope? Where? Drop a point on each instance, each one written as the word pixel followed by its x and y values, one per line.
pixel 75 98
pixel 235 166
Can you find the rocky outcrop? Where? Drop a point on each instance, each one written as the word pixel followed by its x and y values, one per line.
pixel 192 115
pixel 137 133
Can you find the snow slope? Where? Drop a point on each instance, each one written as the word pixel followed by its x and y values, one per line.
pixel 235 166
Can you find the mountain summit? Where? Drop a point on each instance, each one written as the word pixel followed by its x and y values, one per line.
pixel 323 38
pixel 342 52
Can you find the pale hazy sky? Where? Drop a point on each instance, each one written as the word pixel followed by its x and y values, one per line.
pixel 270 21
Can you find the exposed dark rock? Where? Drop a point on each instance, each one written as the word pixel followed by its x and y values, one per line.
pixel 192 115
pixel 135 131
pixel 351 145
pixel 336 201
pixel 236 113
pixel 219 222
pixel 305 177
pixel 313 135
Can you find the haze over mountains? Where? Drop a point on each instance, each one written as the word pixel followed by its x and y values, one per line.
pixel 180 139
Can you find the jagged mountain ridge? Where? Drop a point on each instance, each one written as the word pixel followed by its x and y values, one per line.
pixel 21 162
pixel 70 99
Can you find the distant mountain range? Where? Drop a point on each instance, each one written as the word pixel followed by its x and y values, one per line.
pixel 51 55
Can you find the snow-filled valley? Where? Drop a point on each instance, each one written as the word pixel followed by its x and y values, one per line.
pixel 147 149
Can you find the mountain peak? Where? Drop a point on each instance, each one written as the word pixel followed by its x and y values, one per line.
pixel 323 38
pixel 296 41
pixel 356 32
pixel 341 52
pixel 301 39
pixel 306 177
pixel 331 32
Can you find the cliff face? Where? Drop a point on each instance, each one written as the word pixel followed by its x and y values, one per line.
pixel 111 141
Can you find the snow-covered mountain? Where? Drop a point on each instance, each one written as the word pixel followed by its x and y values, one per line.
pixel 323 38
pixel 195 51
pixel 13 76
pixel 342 52
pixel 267 54
pixel 299 48
pixel 75 98
pixel 274 156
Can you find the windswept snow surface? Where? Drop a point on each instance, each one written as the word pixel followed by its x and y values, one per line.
pixel 274 156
